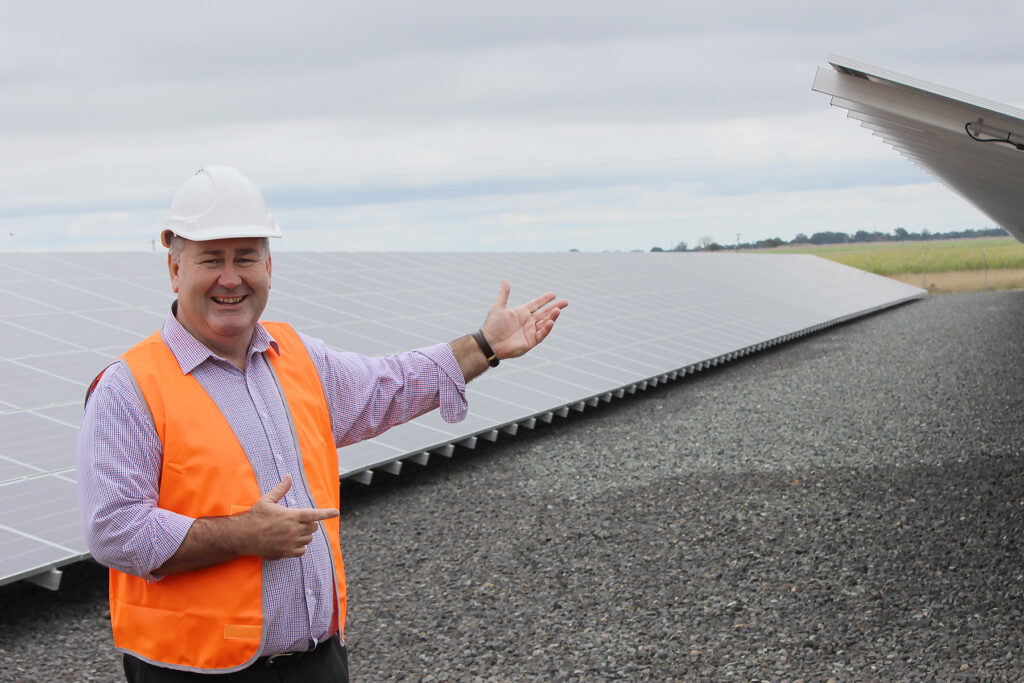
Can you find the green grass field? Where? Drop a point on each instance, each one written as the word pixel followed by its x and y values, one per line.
pixel 904 258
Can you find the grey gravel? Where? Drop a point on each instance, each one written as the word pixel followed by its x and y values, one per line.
pixel 845 507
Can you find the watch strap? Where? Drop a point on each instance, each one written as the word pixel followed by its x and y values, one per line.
pixel 481 340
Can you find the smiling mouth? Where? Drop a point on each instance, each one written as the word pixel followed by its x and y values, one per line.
pixel 228 299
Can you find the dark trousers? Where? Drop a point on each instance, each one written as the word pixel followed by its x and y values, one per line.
pixel 328 663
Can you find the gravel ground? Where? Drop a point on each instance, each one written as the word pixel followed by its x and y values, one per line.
pixel 844 507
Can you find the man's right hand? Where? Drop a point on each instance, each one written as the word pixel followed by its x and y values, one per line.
pixel 275 531
pixel 267 530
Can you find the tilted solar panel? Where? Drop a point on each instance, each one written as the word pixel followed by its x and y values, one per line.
pixel 975 147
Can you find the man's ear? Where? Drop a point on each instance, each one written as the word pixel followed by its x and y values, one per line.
pixel 268 271
pixel 172 270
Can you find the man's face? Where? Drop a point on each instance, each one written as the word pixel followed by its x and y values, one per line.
pixel 222 288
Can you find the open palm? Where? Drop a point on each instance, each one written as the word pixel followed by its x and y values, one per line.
pixel 514 331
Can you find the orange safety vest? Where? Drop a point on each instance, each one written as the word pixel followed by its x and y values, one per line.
pixel 212 619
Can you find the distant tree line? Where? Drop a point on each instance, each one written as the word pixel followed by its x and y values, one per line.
pixel 828 237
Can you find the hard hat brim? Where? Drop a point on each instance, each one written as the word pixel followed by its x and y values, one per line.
pixel 231 232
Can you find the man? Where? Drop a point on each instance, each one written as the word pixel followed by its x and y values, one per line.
pixel 207 461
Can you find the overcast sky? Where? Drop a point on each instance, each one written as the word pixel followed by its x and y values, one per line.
pixel 472 126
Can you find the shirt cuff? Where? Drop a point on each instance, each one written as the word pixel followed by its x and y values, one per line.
pixel 452 385
pixel 157 541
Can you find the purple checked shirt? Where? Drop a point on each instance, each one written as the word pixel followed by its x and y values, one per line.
pixel 120 457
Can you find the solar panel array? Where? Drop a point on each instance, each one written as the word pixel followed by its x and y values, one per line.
pixel 634 320
pixel 967 143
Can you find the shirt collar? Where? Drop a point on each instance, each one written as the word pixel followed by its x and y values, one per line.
pixel 191 353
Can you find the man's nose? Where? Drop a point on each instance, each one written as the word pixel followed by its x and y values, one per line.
pixel 229 277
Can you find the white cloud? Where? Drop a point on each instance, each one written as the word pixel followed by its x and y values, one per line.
pixel 549 125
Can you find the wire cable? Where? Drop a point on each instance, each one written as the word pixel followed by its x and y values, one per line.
pixel 1005 141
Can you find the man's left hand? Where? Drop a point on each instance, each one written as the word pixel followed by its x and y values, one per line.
pixel 511 332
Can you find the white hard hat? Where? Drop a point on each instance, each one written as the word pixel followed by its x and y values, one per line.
pixel 218 202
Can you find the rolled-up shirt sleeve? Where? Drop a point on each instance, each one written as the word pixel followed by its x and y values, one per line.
pixel 368 396
pixel 119 460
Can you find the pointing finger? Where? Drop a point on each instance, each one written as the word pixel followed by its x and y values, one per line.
pixel 309 515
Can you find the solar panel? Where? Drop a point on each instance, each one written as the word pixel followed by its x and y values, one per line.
pixel 941 130
pixel 634 320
